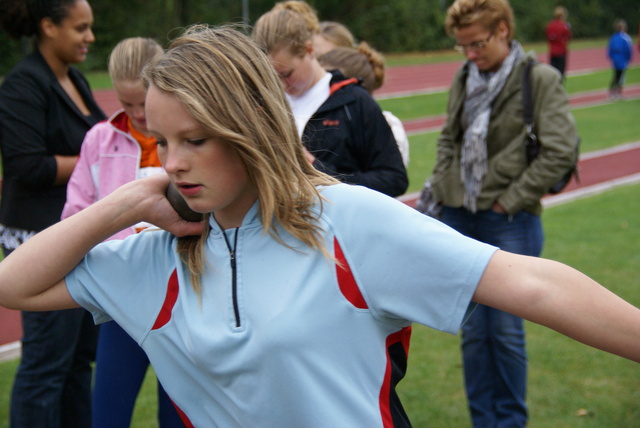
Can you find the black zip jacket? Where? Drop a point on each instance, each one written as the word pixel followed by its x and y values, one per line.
pixel 352 140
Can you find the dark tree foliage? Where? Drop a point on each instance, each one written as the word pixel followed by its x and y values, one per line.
pixel 388 25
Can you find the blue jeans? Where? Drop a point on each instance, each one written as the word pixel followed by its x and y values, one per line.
pixel 120 369
pixel 493 341
pixel 52 387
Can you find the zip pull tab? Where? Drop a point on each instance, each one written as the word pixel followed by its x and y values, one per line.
pixel 232 258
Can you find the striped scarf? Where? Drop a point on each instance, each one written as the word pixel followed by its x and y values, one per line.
pixel 481 91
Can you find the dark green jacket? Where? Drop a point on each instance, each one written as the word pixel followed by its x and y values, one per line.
pixel 509 180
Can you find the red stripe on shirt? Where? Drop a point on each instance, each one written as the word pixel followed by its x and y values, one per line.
pixel 169 301
pixel 346 280
pixel 401 338
pixel 185 420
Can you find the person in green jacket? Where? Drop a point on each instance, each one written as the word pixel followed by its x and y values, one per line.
pixel 483 186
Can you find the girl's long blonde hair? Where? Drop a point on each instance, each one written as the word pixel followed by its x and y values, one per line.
pixel 230 88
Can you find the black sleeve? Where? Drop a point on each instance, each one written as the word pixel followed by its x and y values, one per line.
pixel 25 152
pixel 381 166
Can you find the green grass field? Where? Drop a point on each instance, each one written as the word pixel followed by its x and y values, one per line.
pixel 598 235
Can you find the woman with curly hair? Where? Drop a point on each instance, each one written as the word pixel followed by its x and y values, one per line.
pixel 46 107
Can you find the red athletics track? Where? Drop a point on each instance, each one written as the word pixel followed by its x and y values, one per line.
pixel 430 77
pixel 422 78
pixel 434 123
pixel 416 79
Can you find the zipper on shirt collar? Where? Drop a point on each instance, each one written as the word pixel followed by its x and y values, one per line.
pixel 234 280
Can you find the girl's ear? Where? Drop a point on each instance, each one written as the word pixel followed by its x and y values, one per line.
pixel 503 30
pixel 48 27
pixel 308 48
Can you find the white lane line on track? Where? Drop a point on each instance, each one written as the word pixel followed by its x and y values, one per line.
pixel 581 192
pixel 569 196
pixel 594 189
pixel 9 351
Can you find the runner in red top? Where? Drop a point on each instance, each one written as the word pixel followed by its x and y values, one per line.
pixel 558 36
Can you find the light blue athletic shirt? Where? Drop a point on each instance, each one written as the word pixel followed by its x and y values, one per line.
pixel 295 352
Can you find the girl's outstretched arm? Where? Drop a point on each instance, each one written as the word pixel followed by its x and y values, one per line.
pixel 559 297
pixel 32 277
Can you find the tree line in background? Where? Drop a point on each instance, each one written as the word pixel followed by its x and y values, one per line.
pixel 388 25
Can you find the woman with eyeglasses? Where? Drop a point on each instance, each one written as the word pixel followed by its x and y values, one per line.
pixel 483 186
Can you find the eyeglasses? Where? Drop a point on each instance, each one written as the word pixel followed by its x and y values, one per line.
pixel 476 46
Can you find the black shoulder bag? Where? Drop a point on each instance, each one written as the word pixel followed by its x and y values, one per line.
pixel 531 142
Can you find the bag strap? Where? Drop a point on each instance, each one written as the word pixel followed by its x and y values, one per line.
pixel 531 142
pixel 527 96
